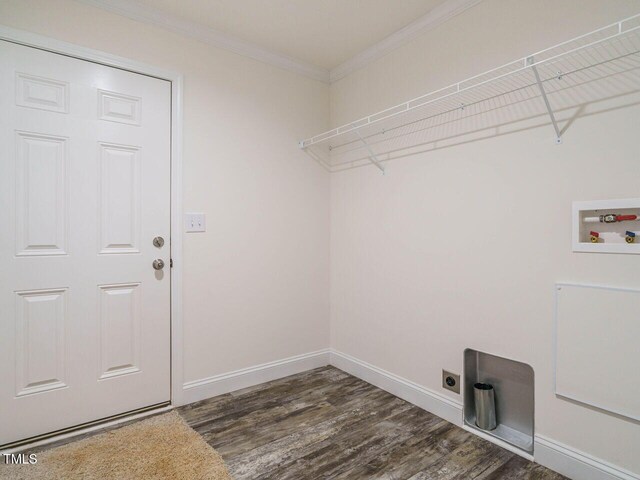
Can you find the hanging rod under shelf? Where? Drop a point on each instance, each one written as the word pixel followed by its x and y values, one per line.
pixel 596 55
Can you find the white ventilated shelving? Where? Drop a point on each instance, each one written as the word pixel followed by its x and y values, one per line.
pixel 601 64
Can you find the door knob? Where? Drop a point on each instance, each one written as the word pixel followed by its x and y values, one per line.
pixel 158 264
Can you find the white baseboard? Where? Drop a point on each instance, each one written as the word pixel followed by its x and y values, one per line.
pixel 247 377
pixel 560 458
pixel 400 387
pixel 556 456
pixel 575 464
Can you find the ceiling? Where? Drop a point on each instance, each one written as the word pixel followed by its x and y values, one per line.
pixel 324 33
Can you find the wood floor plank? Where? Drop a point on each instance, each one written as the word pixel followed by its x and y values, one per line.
pixel 411 456
pixel 517 468
pixel 360 443
pixel 470 459
pixel 267 425
pixel 327 424
pixel 307 441
pixel 342 417
pixel 265 396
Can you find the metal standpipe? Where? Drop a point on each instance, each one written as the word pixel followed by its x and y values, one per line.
pixel 485 404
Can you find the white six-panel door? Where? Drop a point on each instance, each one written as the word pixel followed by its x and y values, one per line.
pixel 84 189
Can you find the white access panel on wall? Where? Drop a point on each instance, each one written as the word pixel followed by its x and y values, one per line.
pixel 597 349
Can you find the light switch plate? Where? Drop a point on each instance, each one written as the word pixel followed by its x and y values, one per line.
pixel 195 222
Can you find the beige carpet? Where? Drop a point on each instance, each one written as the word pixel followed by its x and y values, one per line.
pixel 161 447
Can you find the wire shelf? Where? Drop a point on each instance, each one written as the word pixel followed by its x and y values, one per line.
pixel 602 64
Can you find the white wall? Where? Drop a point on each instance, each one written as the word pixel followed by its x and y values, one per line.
pixel 461 247
pixel 256 284
pixel 412 284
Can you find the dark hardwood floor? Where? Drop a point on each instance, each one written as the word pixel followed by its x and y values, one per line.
pixel 326 424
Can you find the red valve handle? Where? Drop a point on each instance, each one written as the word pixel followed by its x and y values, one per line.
pixel 622 218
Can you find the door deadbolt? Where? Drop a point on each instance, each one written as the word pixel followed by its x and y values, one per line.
pixel 158 264
pixel 158 242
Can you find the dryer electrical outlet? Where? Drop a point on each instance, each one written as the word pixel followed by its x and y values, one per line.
pixel 451 381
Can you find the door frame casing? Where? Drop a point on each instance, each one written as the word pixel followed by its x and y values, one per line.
pixel 41 42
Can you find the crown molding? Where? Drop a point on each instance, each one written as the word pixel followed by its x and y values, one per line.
pixel 429 21
pixel 142 13
pixel 153 16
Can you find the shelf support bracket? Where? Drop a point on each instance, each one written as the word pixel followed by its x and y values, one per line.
pixel 314 156
pixel 546 101
pixel 373 158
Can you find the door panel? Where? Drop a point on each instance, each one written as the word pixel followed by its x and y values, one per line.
pixel 40 338
pixel 120 325
pixel 41 200
pixel 84 188
pixel 119 199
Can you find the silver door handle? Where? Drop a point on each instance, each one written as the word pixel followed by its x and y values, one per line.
pixel 158 264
